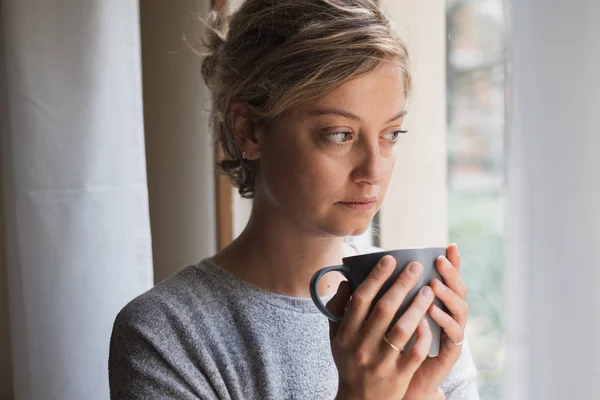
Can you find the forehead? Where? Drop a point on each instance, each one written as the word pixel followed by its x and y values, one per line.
pixel 380 91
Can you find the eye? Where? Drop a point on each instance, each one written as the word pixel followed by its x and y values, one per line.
pixel 394 136
pixel 338 138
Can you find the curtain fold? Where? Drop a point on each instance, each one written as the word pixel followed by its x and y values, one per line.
pixel 78 241
pixel 553 272
pixel 5 357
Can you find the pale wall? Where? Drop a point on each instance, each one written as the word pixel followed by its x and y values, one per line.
pixel 414 213
pixel 179 146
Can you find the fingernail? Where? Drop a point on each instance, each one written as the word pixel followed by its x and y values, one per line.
pixel 386 262
pixel 442 264
pixel 456 246
pixel 414 267
pixel 426 291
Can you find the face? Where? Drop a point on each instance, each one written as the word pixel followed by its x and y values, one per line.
pixel 327 165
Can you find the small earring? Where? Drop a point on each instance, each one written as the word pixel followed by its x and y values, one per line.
pixel 244 155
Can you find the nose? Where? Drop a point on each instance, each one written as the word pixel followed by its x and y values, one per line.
pixel 369 164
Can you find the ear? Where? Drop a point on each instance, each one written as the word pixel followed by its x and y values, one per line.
pixel 244 129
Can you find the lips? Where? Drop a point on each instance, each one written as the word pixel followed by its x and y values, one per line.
pixel 360 204
pixel 357 200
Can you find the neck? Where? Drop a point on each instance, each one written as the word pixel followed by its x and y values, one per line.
pixel 278 255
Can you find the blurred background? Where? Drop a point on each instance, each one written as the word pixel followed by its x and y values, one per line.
pixel 476 89
pixel 107 184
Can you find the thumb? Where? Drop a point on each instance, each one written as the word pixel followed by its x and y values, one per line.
pixel 337 306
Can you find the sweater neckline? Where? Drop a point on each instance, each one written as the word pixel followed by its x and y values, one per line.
pixel 243 288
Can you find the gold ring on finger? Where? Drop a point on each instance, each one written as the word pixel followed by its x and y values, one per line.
pixel 456 343
pixel 392 345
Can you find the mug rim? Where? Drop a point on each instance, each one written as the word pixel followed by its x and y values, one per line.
pixel 386 252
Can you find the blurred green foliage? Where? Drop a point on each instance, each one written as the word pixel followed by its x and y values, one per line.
pixel 476 224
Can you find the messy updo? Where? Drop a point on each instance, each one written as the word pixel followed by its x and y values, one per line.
pixel 277 54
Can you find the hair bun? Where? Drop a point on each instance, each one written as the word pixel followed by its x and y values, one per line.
pixel 213 42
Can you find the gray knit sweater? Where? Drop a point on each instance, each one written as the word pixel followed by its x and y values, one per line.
pixel 206 334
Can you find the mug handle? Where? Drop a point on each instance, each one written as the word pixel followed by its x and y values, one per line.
pixel 314 284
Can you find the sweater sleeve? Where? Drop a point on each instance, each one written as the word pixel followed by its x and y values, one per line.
pixel 461 383
pixel 137 370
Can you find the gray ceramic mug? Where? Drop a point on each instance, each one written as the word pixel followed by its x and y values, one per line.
pixel 356 269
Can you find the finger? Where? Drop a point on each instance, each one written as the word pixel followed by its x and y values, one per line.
pixel 453 255
pixel 337 306
pixel 451 276
pixel 387 306
pixel 457 307
pixel 412 360
pixel 361 299
pixel 452 328
pixel 406 325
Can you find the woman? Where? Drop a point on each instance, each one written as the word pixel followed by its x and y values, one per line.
pixel 308 98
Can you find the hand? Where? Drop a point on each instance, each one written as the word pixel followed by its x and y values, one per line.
pixel 368 366
pixel 452 293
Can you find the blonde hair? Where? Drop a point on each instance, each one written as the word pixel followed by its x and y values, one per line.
pixel 277 54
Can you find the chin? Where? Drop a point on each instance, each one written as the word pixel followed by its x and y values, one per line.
pixel 347 227
pixel 359 231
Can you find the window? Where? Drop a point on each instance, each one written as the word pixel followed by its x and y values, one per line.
pixel 476 60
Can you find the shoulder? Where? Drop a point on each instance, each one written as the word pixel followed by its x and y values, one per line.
pixel 165 301
pixel 156 323
pixel 150 342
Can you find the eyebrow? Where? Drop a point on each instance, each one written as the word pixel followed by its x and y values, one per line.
pixel 341 113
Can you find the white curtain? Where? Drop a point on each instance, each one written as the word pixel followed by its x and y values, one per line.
pixel 78 243
pixel 553 274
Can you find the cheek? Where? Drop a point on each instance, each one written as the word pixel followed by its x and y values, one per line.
pixel 278 174
pixel 300 181
pixel 315 180
pixel 387 169
pixel 323 179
